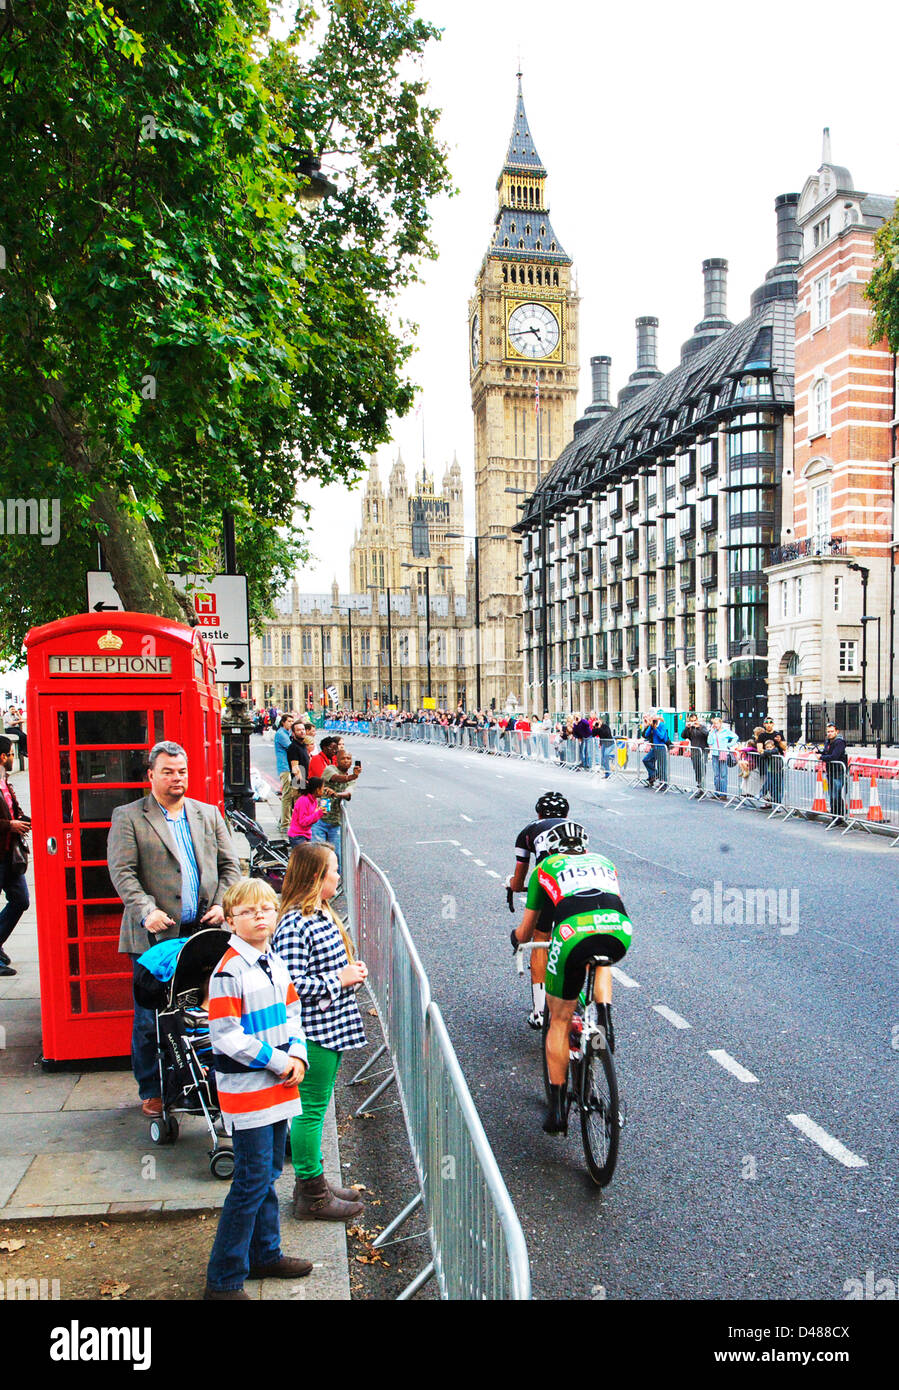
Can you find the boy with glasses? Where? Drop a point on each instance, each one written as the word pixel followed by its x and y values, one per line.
pixel 259 1051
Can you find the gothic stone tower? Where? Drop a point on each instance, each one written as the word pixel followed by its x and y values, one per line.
pixel 523 335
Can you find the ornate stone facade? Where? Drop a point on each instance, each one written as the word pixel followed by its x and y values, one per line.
pixel 523 345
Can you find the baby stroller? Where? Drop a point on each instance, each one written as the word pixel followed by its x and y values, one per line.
pixel 268 858
pixel 187 1081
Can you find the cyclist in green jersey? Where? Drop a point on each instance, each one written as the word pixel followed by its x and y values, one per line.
pixel 580 892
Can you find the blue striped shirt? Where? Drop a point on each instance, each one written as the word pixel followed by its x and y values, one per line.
pixel 190 874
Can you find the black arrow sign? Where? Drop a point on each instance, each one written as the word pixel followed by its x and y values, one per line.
pixel 105 608
pixel 237 661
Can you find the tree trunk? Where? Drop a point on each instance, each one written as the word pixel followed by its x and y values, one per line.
pixel 137 574
pixel 131 555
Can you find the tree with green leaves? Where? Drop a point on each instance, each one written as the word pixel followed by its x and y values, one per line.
pixel 181 334
pixel 882 290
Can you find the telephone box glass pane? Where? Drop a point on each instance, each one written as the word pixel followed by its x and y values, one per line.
pixel 62 726
pixel 112 765
pixel 102 958
pixel 67 807
pixel 158 726
pixel 72 920
pixel 71 884
pixel 99 805
pixel 111 726
pixel 104 919
pixel 96 883
pixel 65 768
pixel 93 843
pixel 75 997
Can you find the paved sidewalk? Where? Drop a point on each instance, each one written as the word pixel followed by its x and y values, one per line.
pixel 77 1144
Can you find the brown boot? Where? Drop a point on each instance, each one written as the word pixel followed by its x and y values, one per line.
pixel 314 1200
pixel 345 1194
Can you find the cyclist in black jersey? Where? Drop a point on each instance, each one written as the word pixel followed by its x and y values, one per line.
pixel 552 810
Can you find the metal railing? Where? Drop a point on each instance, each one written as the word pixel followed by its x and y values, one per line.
pixel 744 778
pixel 478 1248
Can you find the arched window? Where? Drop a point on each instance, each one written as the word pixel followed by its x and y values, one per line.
pixel 530 275
pixel 539 245
pixel 505 241
pixel 520 244
pixel 527 230
pixel 514 274
pixel 555 277
pixel 512 229
pixel 506 274
pixel 552 246
pixel 543 230
pixel 539 276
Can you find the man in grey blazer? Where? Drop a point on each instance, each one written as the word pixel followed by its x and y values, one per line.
pixel 170 860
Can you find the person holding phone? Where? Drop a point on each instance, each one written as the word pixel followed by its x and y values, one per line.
pixel 337 779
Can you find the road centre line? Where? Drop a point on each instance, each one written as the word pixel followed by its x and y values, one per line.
pixel 468 818
pixel 492 873
pixel 827 1142
pixel 463 850
pixel 430 795
pixel 624 979
pixel 480 862
pixel 730 1064
pixel 654 862
pixel 441 842
pixel 671 1016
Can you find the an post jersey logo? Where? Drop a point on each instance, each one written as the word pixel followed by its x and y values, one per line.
pixel 594 876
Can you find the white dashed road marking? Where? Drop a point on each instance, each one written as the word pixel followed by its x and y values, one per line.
pixel 468 818
pixel 479 862
pixel 729 1063
pixel 493 873
pixel 465 851
pixel 671 1016
pixel 429 795
pixel 827 1142
pixel 441 842
pixel 624 979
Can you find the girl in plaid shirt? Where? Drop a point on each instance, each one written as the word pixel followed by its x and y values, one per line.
pixel 319 955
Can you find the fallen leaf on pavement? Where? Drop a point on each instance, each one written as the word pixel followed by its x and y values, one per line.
pixel 11 1245
pixel 112 1289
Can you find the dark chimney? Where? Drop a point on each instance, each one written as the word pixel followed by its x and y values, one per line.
pixel 599 367
pixel 647 372
pixel 781 281
pixel 715 320
pixel 601 404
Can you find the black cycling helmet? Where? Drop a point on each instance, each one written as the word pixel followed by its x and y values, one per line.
pixel 562 839
pixel 551 804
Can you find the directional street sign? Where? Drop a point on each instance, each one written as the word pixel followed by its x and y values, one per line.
pixel 101 593
pixel 219 603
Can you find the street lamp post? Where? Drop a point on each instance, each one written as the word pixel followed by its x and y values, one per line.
pixel 407 565
pixel 321 638
pixel 864 572
pixel 872 618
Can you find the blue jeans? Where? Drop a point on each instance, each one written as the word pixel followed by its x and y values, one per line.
pixel 720 774
pixel 12 883
pixel 586 745
pixel 249 1229
pixel 650 762
pixel 144 1062
pixel 324 834
pixel 608 752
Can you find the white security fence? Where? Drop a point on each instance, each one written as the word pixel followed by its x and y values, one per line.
pixel 860 795
pixel 478 1249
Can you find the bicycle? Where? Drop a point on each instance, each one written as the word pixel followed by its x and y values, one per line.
pixel 592 1082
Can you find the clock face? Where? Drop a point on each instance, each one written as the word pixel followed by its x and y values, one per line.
pixel 476 340
pixel 533 330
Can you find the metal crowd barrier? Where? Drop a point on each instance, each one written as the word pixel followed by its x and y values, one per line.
pixel 782 787
pixel 477 1245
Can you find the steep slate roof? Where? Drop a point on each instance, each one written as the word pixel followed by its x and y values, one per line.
pixel 672 410
pixel 522 156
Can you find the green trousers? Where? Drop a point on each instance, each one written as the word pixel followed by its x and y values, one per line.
pixel 315 1095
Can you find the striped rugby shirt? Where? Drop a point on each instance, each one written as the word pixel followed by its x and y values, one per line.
pixel 254 1027
pixel 313 951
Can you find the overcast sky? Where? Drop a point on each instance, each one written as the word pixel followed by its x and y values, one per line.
pixel 667 132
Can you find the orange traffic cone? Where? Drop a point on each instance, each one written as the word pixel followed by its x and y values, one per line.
pixel 856 808
pixel 874 811
pixel 819 804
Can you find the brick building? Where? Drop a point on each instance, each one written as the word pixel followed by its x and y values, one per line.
pixel 838 526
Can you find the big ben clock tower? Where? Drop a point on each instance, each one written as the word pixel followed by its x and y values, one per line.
pixel 523 352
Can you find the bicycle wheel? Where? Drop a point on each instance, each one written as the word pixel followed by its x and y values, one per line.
pixel 600 1119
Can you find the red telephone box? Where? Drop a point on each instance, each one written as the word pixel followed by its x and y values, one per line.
pixel 102 689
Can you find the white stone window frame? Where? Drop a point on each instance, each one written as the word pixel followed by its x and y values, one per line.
pixel 821 301
pixel 848 656
pixel 819 406
pixel 838 593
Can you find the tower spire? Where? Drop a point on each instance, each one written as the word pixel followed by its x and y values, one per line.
pixel 825 147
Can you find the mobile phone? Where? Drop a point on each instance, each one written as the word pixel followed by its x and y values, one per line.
pixel 358 764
